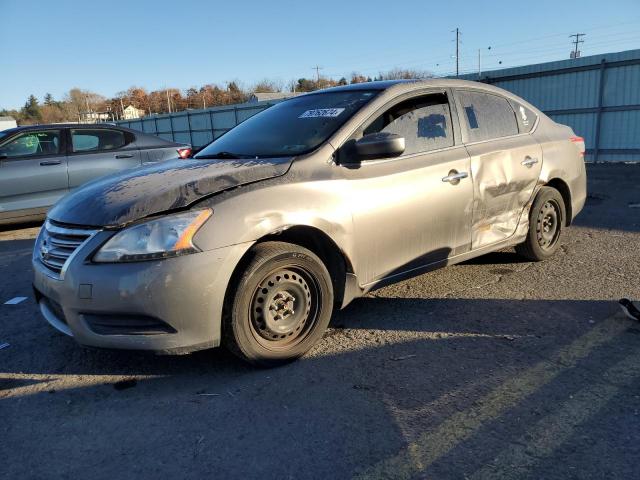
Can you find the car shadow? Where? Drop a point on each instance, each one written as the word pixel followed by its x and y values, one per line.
pixel 463 381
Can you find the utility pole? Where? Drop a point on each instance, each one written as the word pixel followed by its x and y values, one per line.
pixel 480 62
pixel 121 108
pixel 317 69
pixel 576 42
pixel 168 101
pixel 457 51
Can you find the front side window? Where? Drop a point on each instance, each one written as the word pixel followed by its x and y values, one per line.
pixel 28 144
pixel 487 116
pixel 424 122
pixel 87 140
pixel 292 127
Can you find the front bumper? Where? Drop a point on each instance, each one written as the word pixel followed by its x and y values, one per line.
pixel 170 305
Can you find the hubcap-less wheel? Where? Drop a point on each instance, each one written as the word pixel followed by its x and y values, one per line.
pixel 548 221
pixel 284 307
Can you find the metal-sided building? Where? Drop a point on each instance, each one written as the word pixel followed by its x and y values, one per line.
pixel 598 96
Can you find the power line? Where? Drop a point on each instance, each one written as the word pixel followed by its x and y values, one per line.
pixel 317 68
pixel 576 42
pixel 457 30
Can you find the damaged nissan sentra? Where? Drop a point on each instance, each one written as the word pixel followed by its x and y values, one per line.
pixel 300 209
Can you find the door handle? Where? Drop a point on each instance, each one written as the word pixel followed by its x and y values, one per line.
pixel 125 155
pixel 454 177
pixel 529 162
pixel 50 162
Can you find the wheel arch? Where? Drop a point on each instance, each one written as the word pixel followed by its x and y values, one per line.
pixel 562 187
pixel 316 240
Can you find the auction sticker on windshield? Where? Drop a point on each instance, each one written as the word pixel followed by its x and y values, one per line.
pixel 322 113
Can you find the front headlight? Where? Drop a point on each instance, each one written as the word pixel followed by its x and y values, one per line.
pixel 161 238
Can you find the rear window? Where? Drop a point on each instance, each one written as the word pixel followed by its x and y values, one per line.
pixel 487 116
pixel 87 140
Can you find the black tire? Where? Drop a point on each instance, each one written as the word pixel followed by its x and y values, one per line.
pixel 279 306
pixel 547 219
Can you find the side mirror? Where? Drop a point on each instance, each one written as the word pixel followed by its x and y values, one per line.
pixel 379 145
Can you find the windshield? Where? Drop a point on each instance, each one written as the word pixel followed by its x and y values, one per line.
pixel 292 127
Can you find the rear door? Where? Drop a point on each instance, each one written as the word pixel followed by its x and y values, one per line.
pixel 505 164
pixel 33 172
pixel 95 152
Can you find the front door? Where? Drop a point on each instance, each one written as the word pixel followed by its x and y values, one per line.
pixel 33 172
pixel 415 209
pixel 96 152
pixel 505 165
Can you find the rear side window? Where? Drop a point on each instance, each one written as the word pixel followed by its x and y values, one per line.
pixel 487 116
pixel 88 140
pixel 424 122
pixel 29 144
pixel 525 116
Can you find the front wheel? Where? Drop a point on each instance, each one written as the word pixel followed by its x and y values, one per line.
pixel 281 306
pixel 546 221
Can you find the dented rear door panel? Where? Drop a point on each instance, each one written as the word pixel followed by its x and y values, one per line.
pixel 505 173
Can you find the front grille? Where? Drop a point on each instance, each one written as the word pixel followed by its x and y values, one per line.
pixel 58 242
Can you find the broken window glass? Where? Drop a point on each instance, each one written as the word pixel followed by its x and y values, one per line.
pixel 487 116
pixel 425 123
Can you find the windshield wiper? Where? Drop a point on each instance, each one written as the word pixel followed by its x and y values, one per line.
pixel 222 155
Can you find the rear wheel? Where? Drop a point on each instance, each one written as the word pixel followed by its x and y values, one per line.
pixel 546 222
pixel 281 306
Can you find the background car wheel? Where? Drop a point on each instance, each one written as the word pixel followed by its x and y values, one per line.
pixel 546 222
pixel 280 305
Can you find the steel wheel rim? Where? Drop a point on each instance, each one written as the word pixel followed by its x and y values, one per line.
pixel 548 224
pixel 284 307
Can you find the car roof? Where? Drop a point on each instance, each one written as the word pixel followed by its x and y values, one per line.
pixel 408 84
pixel 23 128
pixel 396 87
pixel 142 139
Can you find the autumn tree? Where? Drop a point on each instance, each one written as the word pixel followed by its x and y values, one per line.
pixel 358 78
pixel 268 86
pixel 404 74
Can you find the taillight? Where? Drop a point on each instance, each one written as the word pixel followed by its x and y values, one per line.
pixel 578 140
pixel 184 152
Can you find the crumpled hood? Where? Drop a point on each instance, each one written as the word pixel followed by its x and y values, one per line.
pixel 126 196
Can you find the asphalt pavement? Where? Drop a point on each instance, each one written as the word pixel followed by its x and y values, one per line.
pixel 495 368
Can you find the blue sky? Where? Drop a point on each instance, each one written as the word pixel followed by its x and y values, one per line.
pixel 109 46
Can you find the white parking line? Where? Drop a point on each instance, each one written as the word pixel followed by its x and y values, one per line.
pixel 15 300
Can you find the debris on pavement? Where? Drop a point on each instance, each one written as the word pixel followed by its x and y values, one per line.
pixel 15 300
pixel 629 309
pixel 405 357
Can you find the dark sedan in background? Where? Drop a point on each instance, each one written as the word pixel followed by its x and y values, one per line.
pixel 41 163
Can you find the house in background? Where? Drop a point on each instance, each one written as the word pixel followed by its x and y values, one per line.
pixel 131 113
pixel 7 122
pixel 95 117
